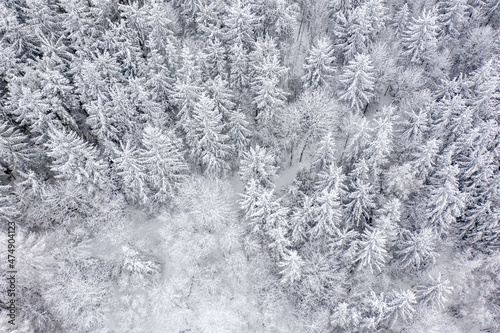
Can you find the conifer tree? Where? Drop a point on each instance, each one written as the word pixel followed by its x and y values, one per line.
pixel 102 122
pixel 445 201
pixel 319 64
pixel 420 37
pixel 372 253
pixel 361 202
pixel 414 126
pixel 222 96
pixel 358 82
pixel 15 153
pixel 333 178
pixel 30 109
pixel 163 162
pixel 359 134
pixel 425 158
pixel 73 159
pixel 206 138
pixel 382 144
pixel 401 307
pixel 417 249
pixel 239 132
pixel 160 31
pixel 354 33
pixel 401 19
pixel 214 59
pixel 239 77
pixel 325 154
pixel 258 164
pixel 268 96
pixel 291 268
pixel 327 215
pixel 239 24
pixel 435 293
pixel 453 17
pixel 131 170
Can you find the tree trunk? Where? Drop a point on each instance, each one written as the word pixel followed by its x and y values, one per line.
pixel 303 149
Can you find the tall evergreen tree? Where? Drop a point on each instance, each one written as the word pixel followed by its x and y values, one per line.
pixel 258 164
pixel 206 138
pixel 318 65
pixel 420 37
pixel 163 163
pixel 373 253
pixel 75 160
pixel 358 82
pixel 327 215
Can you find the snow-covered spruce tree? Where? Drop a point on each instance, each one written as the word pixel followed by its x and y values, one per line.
pixel 9 208
pixel 417 249
pixel 102 122
pixel 453 17
pixel 159 79
pixel 327 215
pixel 268 95
pixel 240 24
pixel 74 159
pixel 277 229
pixel 266 216
pixel 388 219
pixel 15 151
pixel 131 170
pixel 420 37
pixel 361 203
pixel 250 198
pixel 258 164
pixel 486 81
pixel 29 108
pixel 358 82
pixel 123 111
pixel 185 96
pixel 382 144
pixel 239 76
pixel 291 268
pixel 353 34
pixel 161 31
pixel 214 59
pixel 435 293
pixel 187 87
pixel 372 253
pixel 425 158
pixel 299 220
pixel 401 307
pixel 326 152
pixel 359 135
pixel 359 27
pixel 478 180
pixel 208 19
pixel 319 64
pixel 333 177
pixel 163 163
pixel 218 89
pixel 445 201
pixel 414 126
pixel 209 145
pixel 400 20
pixel 239 132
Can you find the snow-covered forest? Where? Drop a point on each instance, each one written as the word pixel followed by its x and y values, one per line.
pixel 250 165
